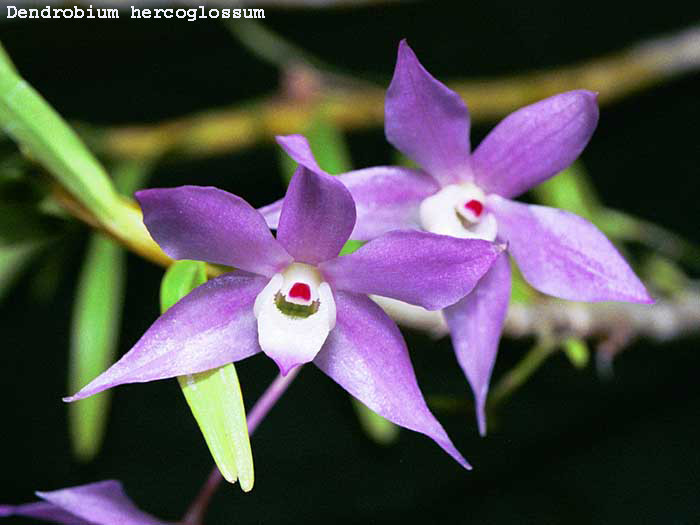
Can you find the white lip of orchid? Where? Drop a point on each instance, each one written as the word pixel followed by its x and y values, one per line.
pixel 292 330
pixel 453 211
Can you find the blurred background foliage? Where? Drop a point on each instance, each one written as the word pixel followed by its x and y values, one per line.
pixel 583 440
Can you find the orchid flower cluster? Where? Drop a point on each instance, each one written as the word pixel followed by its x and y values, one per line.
pixel 438 238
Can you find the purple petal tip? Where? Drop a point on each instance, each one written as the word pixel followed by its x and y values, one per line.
pixel 284 139
pixel 646 299
pixel 481 416
pixel 405 52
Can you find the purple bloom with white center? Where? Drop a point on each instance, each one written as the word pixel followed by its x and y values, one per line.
pixel 292 296
pixel 101 503
pixel 467 195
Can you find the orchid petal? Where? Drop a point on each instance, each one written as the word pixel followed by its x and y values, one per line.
pixel 564 255
pixel 271 213
pixel 42 510
pixel 299 149
pixel 101 503
pixel 535 143
pixel 475 325
pixel 210 327
pixel 317 216
pixel 432 271
pixel 366 355
pixel 209 224
pixel 386 198
pixel 427 121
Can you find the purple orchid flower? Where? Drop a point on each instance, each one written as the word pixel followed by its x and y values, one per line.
pixel 101 503
pixel 293 298
pixel 469 196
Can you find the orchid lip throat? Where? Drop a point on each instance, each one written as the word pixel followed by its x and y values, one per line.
pixel 293 309
pixel 459 210
pixel 298 292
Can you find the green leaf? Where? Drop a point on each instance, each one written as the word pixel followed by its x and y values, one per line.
pixel 179 280
pixel 570 190
pixel 213 396
pixel 96 319
pixel 5 62
pixel 23 233
pixel 94 337
pixel 44 135
pixel 13 259
pixel 577 351
pixel 380 430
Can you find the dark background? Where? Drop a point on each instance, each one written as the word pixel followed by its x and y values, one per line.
pixel 568 448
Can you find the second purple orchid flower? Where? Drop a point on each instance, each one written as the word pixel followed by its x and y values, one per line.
pixel 468 195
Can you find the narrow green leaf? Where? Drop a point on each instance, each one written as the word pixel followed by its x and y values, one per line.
pixel 6 62
pixel 577 351
pixel 13 259
pixel 44 135
pixel 380 430
pixel 96 319
pixel 179 280
pixel 570 190
pixel 213 396
pixel 22 234
pixel 94 336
